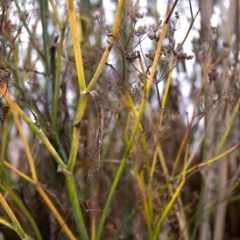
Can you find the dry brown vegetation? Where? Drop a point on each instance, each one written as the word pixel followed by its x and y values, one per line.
pixel 110 149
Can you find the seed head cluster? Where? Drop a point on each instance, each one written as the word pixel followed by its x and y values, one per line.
pixel 4 74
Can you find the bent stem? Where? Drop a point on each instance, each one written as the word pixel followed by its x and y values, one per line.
pixel 35 128
pixel 128 151
pixel 17 227
pixel 82 105
pixel 23 208
pixel 45 198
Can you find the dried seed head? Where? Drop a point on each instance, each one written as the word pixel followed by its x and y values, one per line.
pixel 150 55
pixel 182 55
pixel 177 15
pixel 151 36
pixel 108 28
pixel 213 75
pixel 131 56
pixel 189 57
pixel 154 36
pixel 2 67
pixel 136 92
pixel 159 23
pixel 141 30
pixel 4 73
pixel 139 16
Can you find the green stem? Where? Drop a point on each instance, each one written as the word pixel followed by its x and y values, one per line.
pixel 36 129
pixel 61 148
pixel 17 227
pixel 76 208
pixel 119 172
pixel 43 15
pixel 57 82
pixel 21 206
pixel 76 132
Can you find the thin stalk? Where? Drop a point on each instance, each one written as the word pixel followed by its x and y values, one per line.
pixel 120 170
pixel 150 181
pixel 143 135
pixel 26 147
pixel 25 211
pixel 179 214
pixel 54 211
pixel 45 37
pixel 166 210
pixel 19 173
pixel 21 14
pixel 76 208
pixel 219 148
pixel 210 161
pixel 56 93
pixel 95 213
pixel 110 45
pixel 17 227
pixel 87 7
pixel 83 98
pixel 126 155
pixel 61 149
pixel 57 82
pixel 186 136
pixel 77 120
pixel 229 127
pixel 110 137
pixel 141 184
pixel 56 14
pixel 127 126
pixel 6 224
pixel 35 128
pixel 76 132
pixel 115 182
pixel 156 58
pixel 35 178
pixel 23 93
pixel 45 198
pixel 174 197
pixel 76 45
pixel 4 149
pixel 71 163
pixel 144 146
pixel 15 53
pixel 6 135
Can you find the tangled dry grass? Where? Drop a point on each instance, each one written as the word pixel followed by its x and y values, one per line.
pixel 126 160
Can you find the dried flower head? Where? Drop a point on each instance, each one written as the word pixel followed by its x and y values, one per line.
pixel 213 75
pixel 150 54
pixel 137 16
pixel 177 15
pixel 141 30
pixel 131 56
pixel 182 56
pixel 4 74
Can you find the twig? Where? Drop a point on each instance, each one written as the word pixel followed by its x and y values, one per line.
pixel 190 5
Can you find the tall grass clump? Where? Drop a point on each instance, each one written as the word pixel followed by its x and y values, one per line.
pixel 97 139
